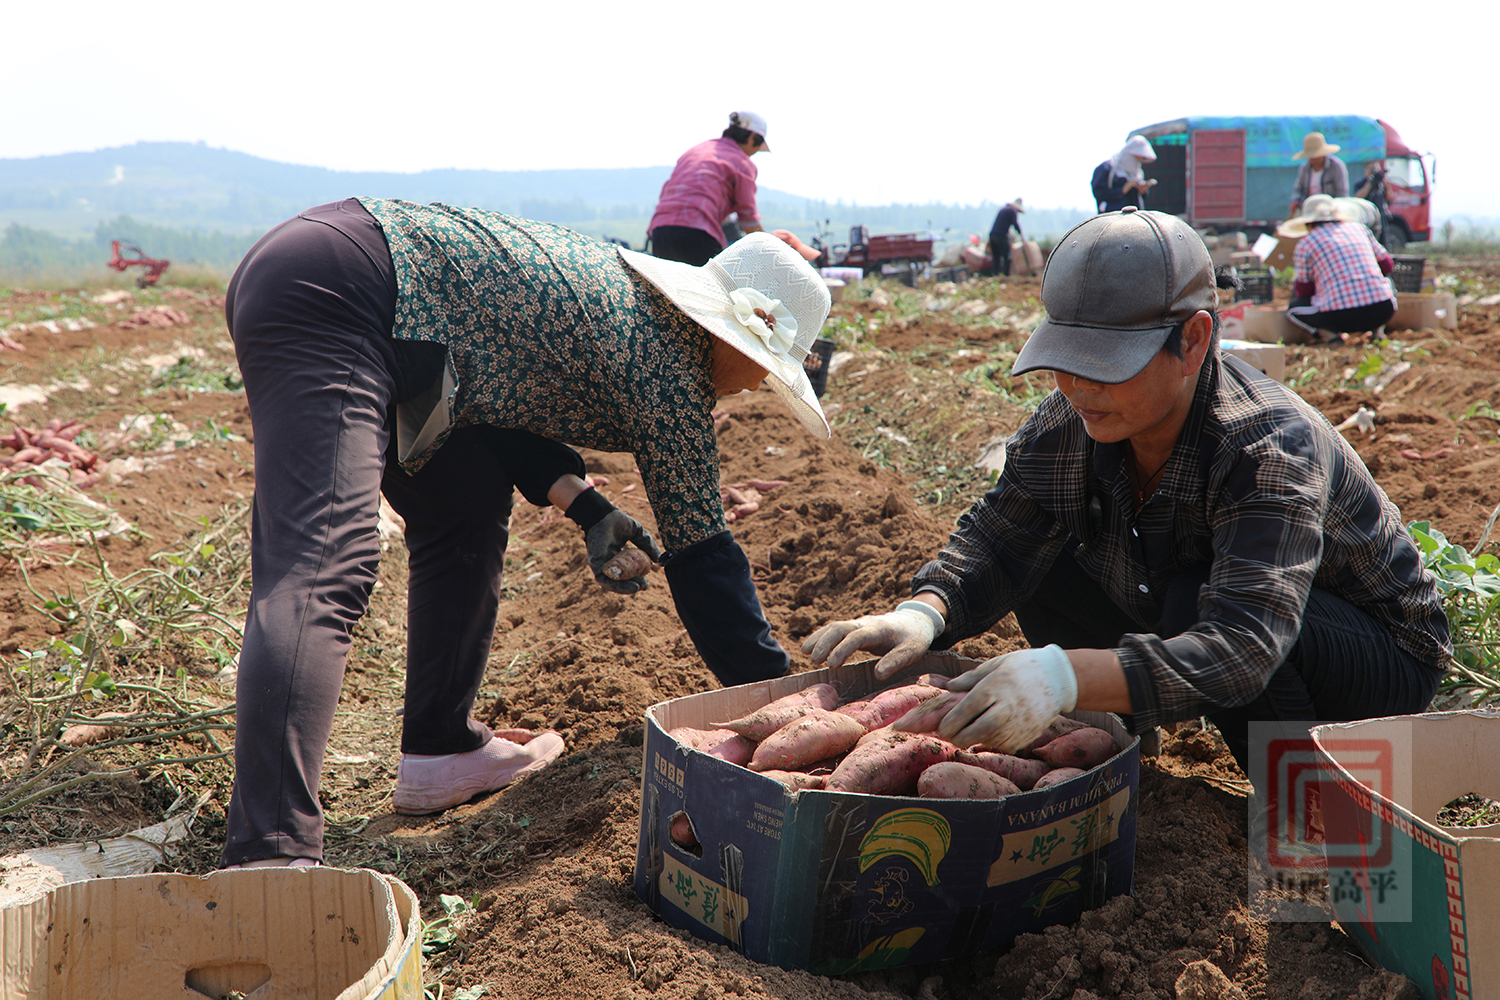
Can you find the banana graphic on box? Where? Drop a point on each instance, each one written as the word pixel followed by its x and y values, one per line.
pixel 920 835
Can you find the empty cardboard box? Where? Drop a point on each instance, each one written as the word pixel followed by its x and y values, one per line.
pixel 261 933
pixel 1420 898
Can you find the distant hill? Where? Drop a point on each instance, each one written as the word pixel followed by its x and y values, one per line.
pixel 193 203
pixel 192 185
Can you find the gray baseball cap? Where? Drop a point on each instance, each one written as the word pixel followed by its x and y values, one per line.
pixel 1114 287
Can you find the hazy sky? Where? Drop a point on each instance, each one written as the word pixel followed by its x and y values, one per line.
pixel 869 102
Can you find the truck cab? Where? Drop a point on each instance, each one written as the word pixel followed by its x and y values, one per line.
pixel 1228 173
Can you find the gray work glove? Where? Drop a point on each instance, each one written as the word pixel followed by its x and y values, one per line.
pixel 1011 699
pixel 607 538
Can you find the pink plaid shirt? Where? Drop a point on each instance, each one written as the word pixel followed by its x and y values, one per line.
pixel 1343 263
pixel 710 181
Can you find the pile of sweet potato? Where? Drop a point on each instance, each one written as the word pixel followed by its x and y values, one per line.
pixel 888 745
pixel 32 446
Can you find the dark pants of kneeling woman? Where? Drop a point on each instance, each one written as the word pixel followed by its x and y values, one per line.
pixel 1344 665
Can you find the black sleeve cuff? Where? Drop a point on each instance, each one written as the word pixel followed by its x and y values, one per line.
pixel 588 509
pixel 716 600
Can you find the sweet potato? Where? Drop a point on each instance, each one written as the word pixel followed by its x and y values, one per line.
pixel 688 736
pixel 889 765
pixel 733 747
pixel 1019 770
pixel 627 565
pixel 796 780
pixel 853 708
pixel 1060 726
pixel 1085 748
pixel 1056 775
pixel 926 716
pixel 816 735
pixel 891 704
pixel 699 739
pixel 765 721
pixel 680 830
pixel 952 780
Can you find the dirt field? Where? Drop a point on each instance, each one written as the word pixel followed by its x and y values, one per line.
pixel 548 863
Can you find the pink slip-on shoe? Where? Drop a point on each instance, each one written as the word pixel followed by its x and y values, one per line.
pixel 430 784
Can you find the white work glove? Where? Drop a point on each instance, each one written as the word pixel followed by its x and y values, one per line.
pixel 902 635
pixel 1011 699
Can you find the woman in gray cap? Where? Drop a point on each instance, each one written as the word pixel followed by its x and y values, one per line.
pixel 433 354
pixel 1178 535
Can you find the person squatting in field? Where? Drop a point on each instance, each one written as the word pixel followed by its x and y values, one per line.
pixel 1177 534
pixel 436 354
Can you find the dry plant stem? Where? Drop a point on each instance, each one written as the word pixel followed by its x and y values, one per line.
pixel 1489 526
pixel 21 796
pixel 1479 680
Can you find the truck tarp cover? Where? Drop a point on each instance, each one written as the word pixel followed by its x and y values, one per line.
pixel 1270 142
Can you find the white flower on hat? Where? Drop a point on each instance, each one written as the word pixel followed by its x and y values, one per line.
pixel 765 317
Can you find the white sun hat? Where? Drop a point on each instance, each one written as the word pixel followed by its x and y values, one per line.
pixel 760 297
pixel 1317 208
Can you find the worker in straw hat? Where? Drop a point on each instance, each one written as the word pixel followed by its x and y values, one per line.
pixel 1320 172
pixel 1006 219
pixel 434 354
pixel 1340 283
pixel 1177 534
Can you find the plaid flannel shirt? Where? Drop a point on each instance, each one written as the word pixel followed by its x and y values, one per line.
pixel 1259 486
pixel 1342 261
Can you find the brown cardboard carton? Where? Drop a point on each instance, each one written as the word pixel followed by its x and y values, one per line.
pixel 1421 898
pixel 1424 311
pixel 836 882
pixel 1282 255
pixel 269 933
pixel 1268 358
pixel 1268 325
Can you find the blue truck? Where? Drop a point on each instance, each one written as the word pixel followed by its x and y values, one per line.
pixel 1237 172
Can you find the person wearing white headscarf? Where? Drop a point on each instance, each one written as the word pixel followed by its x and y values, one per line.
pixel 1121 179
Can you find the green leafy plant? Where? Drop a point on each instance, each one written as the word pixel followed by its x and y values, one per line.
pixel 441 934
pixel 1372 365
pixel 1470 588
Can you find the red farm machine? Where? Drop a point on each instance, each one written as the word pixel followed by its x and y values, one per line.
pixel 126 255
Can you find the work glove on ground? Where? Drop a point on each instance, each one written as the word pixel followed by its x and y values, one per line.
pixel 902 636
pixel 1011 699
pixel 606 531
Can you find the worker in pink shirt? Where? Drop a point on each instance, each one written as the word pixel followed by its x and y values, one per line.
pixel 711 181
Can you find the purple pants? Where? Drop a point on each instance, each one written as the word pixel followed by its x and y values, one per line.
pixel 311 310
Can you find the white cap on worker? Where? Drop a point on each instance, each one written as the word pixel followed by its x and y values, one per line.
pixel 752 122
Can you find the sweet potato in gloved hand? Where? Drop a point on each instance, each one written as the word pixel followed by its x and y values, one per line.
pixel 607 530
pixel 1011 699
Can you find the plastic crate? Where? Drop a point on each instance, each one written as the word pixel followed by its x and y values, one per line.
pixel 1406 275
pixel 1257 286
pixel 816 364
